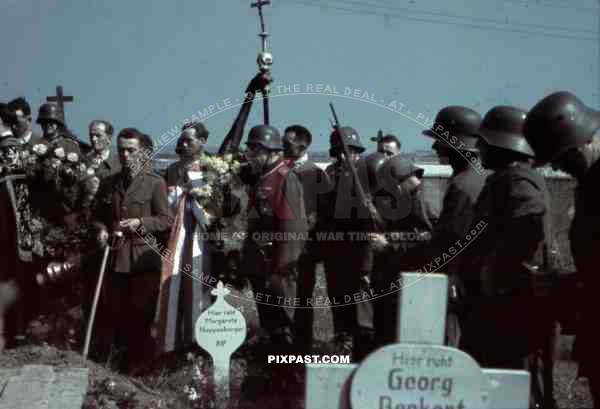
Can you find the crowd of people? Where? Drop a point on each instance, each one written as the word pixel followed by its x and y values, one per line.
pixel 490 237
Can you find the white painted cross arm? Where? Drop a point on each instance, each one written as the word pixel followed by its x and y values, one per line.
pixel 419 370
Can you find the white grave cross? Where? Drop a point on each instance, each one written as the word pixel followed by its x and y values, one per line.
pixel 220 330
pixel 419 371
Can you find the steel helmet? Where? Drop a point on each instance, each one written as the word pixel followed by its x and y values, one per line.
pixel 396 169
pixel 367 167
pixel 266 136
pixel 50 112
pixel 349 135
pixel 558 122
pixel 502 127
pixel 457 126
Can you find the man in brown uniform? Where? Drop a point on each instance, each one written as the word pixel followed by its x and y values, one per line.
pixel 562 131
pixel 276 223
pixel 454 131
pixel 133 201
pixel 509 228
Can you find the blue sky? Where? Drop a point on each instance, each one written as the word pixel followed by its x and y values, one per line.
pixel 153 64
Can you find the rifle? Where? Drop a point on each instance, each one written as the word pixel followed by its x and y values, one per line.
pixel 377 222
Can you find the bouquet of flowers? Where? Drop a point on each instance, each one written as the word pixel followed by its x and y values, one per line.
pixel 66 173
pixel 219 174
pixel 71 186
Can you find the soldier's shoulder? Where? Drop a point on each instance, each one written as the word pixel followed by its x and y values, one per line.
pixel 154 176
pixel 468 179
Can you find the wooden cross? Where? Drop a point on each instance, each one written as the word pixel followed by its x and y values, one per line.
pixel 60 100
pixel 422 322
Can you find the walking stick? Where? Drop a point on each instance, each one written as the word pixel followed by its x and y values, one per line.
pixel 90 326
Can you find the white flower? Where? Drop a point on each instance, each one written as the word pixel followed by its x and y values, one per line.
pixel 72 157
pixel 90 171
pixel 40 149
pixel 59 153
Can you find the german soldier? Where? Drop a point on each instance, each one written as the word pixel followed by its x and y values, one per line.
pixel 296 140
pixel 276 229
pixel 133 201
pixel 348 262
pixel 55 133
pixel 562 131
pixel 454 131
pixel 409 223
pixel 509 228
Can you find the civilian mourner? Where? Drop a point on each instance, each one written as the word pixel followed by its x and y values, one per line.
pixel 409 223
pixel 276 228
pixel 508 230
pixel 101 158
pixel 134 201
pixel 348 262
pixel 22 127
pixel 188 274
pixel 454 131
pixel 296 140
pixel 388 144
pixel 104 165
pixel 562 131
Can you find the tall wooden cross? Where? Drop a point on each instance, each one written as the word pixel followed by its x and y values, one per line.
pixel 60 100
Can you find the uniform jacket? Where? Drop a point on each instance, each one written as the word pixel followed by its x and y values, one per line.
pixel 514 205
pixel 146 198
pixel 409 226
pixel 63 140
pixel 345 216
pixel 275 206
pixel 315 183
pixel 584 238
pixel 106 168
pixel 458 212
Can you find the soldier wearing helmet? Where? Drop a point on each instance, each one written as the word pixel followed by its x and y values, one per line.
pixel 276 229
pixel 54 131
pixel 563 131
pixel 348 260
pixel 296 140
pixel 409 222
pixel 509 228
pixel 455 133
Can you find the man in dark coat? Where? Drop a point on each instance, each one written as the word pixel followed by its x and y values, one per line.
pixel 454 130
pixel 507 325
pixel 101 158
pixel 408 225
pixel 105 165
pixel 348 260
pixel 562 131
pixel 276 233
pixel 315 183
pixel 134 201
